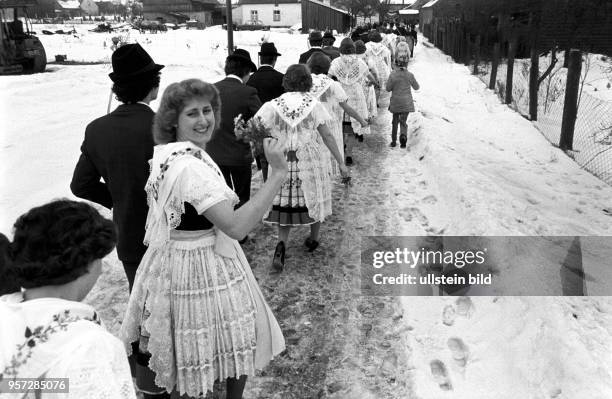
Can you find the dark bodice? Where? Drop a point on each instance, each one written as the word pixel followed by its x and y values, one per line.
pixel 190 220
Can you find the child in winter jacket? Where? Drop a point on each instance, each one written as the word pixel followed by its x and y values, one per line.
pixel 400 83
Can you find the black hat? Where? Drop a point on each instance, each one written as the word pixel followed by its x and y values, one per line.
pixel 244 56
pixel 315 35
pixel 269 49
pixel 130 61
pixel 329 35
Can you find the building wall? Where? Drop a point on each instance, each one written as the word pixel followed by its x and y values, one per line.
pixel 318 16
pixel 290 14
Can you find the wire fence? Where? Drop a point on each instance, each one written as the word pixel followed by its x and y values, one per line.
pixel 592 145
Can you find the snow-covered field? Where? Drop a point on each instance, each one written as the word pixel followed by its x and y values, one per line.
pixel 475 167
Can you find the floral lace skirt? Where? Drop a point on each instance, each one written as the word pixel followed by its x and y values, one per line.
pixel 305 196
pixel 194 311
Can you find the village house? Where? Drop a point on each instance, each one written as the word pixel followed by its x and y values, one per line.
pixel 311 14
pixel 180 10
pixel 75 8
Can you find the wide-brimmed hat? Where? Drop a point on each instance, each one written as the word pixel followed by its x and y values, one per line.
pixel 269 49
pixel 329 35
pixel 315 35
pixel 244 56
pixel 131 61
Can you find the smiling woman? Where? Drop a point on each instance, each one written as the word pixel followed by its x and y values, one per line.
pixel 194 283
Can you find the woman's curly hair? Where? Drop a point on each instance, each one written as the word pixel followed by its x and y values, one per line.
pixel 55 243
pixel 319 63
pixel 173 101
pixel 297 78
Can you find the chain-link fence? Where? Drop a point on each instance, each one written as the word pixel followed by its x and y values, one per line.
pixel 592 145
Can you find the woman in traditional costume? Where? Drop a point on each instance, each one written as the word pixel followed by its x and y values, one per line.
pixel 352 72
pixel 331 94
pixel 47 334
pixel 367 86
pixel 196 310
pixel 381 56
pixel 305 196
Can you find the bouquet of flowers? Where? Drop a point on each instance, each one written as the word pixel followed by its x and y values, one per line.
pixel 253 132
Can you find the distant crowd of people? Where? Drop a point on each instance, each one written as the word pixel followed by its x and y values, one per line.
pixel 179 184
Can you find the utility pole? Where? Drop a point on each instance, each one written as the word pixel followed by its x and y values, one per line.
pixel 230 27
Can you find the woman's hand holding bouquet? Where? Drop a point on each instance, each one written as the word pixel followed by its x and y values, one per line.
pixel 252 131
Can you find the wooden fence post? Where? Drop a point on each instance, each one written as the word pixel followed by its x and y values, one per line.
pixel 534 74
pixel 476 55
pixel 534 71
pixel 466 49
pixel 494 65
pixel 570 106
pixel 510 72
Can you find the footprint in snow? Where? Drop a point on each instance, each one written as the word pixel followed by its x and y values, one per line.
pixel 411 213
pixel 440 374
pixel 465 306
pixel 429 200
pixel 449 314
pixel 459 351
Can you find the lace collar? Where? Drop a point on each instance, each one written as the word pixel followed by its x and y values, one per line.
pixel 349 69
pixel 375 48
pixel 293 107
pixel 320 84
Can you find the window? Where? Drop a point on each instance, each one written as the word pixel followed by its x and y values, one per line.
pixel 276 15
pixel 254 15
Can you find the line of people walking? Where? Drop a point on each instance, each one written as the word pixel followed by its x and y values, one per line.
pixel 178 182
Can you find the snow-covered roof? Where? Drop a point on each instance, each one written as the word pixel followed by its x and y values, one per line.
pixel 431 3
pixel 69 4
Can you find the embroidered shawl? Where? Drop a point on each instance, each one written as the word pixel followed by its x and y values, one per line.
pixel 293 107
pixel 320 84
pixel 52 337
pixel 349 69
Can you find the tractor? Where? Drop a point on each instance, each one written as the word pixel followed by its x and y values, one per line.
pixel 20 50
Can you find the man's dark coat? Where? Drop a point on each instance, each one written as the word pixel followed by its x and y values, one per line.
pixel 268 82
pixel 117 147
pixel 305 56
pixel 236 98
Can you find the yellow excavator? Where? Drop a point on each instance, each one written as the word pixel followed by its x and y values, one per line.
pixel 20 49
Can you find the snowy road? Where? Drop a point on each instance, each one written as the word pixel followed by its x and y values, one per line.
pixel 474 167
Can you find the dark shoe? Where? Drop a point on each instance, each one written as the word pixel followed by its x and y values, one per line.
pixel 360 138
pixel 349 160
pixel 311 244
pixel 278 263
pixel 403 141
pixel 393 144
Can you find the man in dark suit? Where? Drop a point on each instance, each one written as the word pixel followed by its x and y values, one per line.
pixel 234 157
pixel 315 39
pixel 269 85
pixel 328 45
pixel 117 148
